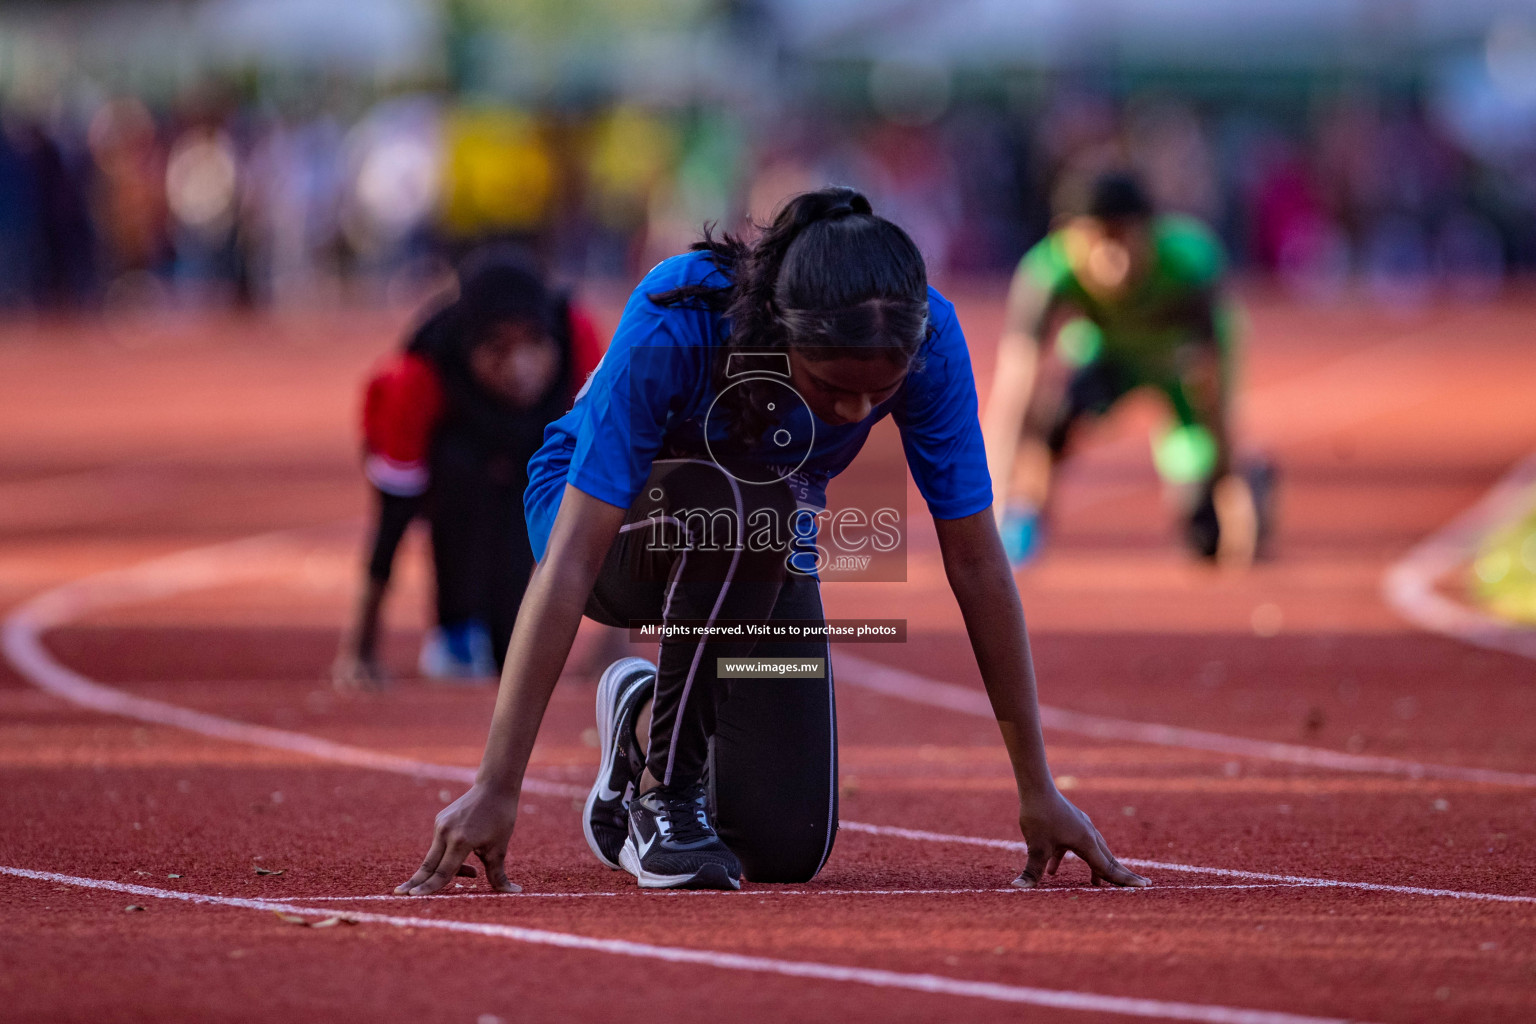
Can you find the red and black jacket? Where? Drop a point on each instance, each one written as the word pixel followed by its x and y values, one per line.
pixel 425 394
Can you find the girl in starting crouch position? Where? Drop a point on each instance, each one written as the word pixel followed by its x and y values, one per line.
pixel 663 495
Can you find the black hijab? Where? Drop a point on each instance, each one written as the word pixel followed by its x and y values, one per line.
pixel 496 286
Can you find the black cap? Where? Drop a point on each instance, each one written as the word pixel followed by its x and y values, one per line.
pixel 1118 196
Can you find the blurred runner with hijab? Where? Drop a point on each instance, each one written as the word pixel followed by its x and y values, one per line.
pixel 449 425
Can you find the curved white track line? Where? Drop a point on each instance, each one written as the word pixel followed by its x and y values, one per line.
pixel 251 558
pixel 1409 586
pixel 221 564
pixel 926 983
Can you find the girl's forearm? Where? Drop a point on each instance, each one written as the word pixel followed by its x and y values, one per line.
pixel 541 640
pixel 1013 381
pixel 1003 419
pixel 994 620
pixel 998 636
pixel 361 639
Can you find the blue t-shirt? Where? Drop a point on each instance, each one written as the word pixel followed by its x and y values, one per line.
pixel 654 390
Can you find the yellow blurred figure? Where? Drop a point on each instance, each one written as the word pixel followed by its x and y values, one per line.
pixel 631 152
pixel 500 173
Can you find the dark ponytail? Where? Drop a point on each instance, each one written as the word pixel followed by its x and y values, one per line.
pixel 826 276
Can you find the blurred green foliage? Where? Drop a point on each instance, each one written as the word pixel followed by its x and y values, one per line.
pixel 570 19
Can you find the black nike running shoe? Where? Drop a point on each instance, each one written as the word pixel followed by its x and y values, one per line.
pixel 672 844
pixel 621 692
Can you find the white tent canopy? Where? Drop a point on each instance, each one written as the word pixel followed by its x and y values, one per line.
pixel 1215 33
pixel 382 35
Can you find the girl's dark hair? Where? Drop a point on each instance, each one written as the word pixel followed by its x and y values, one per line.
pixel 827 277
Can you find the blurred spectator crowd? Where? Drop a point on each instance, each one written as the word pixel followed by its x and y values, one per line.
pixel 217 200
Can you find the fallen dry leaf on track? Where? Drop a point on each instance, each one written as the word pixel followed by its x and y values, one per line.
pixel 269 871
pixel 130 908
pixel 305 922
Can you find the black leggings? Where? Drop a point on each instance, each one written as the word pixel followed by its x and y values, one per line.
pixel 480 555
pixel 393 514
pixel 767 746
pixel 480 547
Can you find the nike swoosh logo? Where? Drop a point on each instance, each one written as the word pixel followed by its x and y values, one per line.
pixel 645 847
pixel 605 794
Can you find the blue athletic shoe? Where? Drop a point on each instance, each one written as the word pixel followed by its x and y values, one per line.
pixel 1022 534
pixel 461 651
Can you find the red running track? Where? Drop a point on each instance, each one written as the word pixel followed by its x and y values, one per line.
pixel 165 729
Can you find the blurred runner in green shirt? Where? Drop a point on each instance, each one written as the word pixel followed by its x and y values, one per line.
pixel 1115 299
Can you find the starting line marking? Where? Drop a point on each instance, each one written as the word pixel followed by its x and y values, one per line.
pixel 921 835
pixel 926 983
pixel 745 893
pixel 252 557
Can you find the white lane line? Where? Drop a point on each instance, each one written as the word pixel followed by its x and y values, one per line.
pixel 220 564
pixel 904 685
pixel 743 893
pixel 927 983
pixel 1409 586
pixel 922 835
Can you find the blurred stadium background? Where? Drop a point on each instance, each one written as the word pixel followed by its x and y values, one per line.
pixel 216 214
pixel 167 153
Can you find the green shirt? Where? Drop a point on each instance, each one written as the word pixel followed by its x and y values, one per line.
pixel 1171 306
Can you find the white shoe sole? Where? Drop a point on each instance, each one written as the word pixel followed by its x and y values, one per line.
pixel 711 876
pixel 606 701
pixel 1237 519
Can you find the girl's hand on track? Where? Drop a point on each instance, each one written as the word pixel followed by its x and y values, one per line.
pixel 479 822
pixel 1052 828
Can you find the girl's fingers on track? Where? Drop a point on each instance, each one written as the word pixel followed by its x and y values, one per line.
pixel 435 854
pixel 1094 855
pixel 1112 870
pixel 1034 867
pixel 495 861
pixel 1055 862
pixel 447 869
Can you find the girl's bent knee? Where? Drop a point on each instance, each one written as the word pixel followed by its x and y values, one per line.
pixel 785 865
